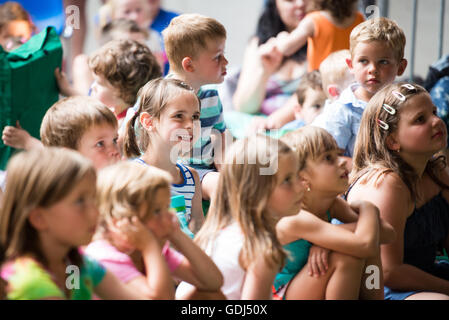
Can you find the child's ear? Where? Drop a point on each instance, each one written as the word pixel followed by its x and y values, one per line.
pixel 333 90
pixel 146 120
pixel 37 219
pixel 392 143
pixel 402 66
pixel 187 64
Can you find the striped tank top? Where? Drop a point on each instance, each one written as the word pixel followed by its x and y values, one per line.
pixel 187 188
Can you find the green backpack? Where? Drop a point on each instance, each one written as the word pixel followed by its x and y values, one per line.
pixel 28 85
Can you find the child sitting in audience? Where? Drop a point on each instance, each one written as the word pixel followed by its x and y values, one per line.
pixel 312 270
pixel 258 185
pixel 311 98
pixel 120 68
pixel 16 26
pixel 195 47
pixel 165 127
pixel 377 57
pixel 335 74
pixel 85 125
pixel 136 225
pixel 48 212
pixel 397 168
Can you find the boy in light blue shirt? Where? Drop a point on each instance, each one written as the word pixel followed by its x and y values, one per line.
pixel 377 57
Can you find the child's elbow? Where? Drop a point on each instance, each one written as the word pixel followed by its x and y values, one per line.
pixel 369 247
pixel 215 283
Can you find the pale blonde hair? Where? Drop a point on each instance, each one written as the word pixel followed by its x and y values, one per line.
pixel 187 35
pixel 123 188
pixel 309 143
pixel 379 29
pixel 242 197
pixel 68 119
pixel 334 70
pixel 38 178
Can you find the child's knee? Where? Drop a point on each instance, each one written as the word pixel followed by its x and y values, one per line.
pixel 341 260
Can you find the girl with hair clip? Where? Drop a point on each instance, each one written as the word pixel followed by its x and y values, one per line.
pixel 164 128
pixel 397 168
pixel 137 230
pixel 48 212
pixel 328 261
pixel 258 185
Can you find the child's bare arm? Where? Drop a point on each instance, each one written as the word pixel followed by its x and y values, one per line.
pixel 288 44
pixel 342 211
pixel 19 138
pixel 363 242
pixel 259 280
pixel 158 283
pixel 197 268
pixel 197 216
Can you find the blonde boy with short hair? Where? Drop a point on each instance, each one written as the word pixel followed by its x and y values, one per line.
pixel 195 47
pixel 377 57
pixel 335 73
pixel 85 125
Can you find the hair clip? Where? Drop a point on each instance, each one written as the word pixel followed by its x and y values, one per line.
pixel 399 95
pixel 408 86
pixel 389 109
pixel 383 125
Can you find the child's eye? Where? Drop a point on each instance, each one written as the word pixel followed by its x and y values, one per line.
pixel 287 180
pixel 316 106
pixel 196 117
pixel 420 119
pixel 100 144
pixel 81 201
pixel 383 62
pixel 363 61
pixel 115 141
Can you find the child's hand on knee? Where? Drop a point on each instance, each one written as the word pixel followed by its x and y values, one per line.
pixel 318 261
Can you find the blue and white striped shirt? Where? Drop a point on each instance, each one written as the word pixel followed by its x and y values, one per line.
pixel 187 188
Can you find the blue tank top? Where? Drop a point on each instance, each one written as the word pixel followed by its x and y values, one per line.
pixel 187 188
pixel 297 255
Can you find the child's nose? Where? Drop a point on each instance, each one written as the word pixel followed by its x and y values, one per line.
pixel 299 3
pixel 373 68
pixel 114 152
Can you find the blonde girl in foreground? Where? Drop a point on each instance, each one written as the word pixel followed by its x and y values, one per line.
pixel 48 212
pixel 258 185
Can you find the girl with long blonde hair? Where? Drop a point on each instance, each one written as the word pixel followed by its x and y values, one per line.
pixel 258 185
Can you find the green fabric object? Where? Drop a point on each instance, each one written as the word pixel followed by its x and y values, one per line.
pixel 28 85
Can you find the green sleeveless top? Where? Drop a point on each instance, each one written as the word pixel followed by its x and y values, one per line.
pixel 297 255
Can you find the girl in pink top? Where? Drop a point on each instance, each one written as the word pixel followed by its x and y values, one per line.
pixel 136 225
